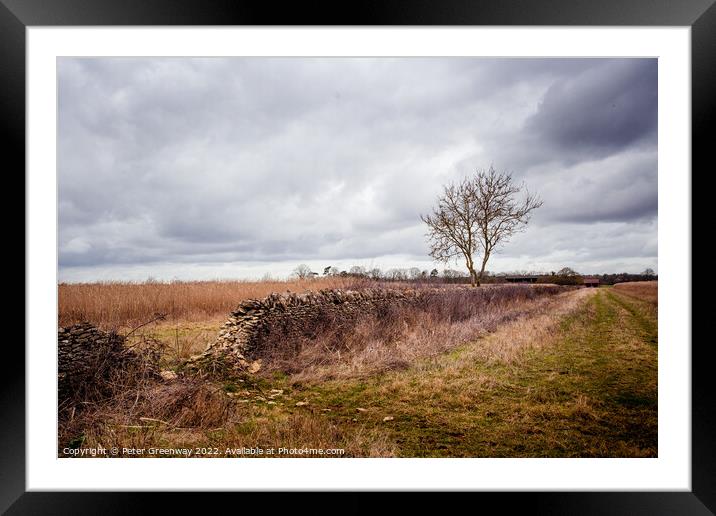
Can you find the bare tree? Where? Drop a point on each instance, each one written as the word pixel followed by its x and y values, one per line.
pixel 450 273
pixel 357 270
pixel 475 216
pixel 330 271
pixel 302 271
pixel 396 274
pixel 413 273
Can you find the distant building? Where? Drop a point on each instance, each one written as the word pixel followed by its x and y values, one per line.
pixel 591 282
pixel 521 279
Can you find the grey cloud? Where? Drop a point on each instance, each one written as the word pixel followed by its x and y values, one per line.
pixel 606 107
pixel 620 188
pixel 588 248
pixel 265 161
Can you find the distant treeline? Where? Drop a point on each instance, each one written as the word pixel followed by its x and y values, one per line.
pixel 604 279
pixel 565 276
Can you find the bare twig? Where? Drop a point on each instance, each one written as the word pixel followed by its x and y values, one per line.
pixel 158 317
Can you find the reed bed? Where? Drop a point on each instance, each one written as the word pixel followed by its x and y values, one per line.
pixel 111 305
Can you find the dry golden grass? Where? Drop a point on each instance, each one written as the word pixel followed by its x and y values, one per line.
pixel 122 304
pixel 645 290
pixel 532 332
pixel 297 431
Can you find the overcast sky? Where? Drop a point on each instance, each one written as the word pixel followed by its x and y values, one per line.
pixel 185 168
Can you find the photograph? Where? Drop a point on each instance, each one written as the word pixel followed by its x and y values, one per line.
pixel 408 247
pixel 357 257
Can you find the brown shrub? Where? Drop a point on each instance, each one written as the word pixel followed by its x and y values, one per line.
pixel 190 402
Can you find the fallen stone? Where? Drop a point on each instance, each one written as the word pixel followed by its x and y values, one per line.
pixel 168 376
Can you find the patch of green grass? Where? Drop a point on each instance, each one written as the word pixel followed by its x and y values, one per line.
pixel 231 387
pixel 642 312
pixel 77 442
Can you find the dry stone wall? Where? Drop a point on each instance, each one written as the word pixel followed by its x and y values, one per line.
pixel 288 317
pixel 87 358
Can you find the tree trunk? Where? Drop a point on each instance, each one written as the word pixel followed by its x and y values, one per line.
pixel 482 269
pixel 474 280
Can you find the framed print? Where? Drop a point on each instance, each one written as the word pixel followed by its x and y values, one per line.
pixel 422 248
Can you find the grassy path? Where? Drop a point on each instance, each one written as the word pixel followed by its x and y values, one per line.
pixel 589 391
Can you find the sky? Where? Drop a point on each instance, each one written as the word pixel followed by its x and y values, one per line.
pixel 224 168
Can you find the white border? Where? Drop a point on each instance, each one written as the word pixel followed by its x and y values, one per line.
pixel 670 471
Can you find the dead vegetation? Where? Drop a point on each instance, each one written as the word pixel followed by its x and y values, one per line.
pixel 402 334
pixel 112 305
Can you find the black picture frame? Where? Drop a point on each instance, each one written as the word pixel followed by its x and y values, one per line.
pixel 700 15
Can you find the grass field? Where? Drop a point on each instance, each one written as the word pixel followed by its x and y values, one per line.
pixel 572 375
pixel 644 290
